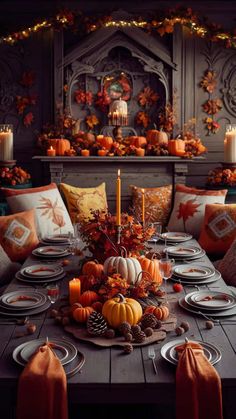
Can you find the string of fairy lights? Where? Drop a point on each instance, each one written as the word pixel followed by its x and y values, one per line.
pixel 78 21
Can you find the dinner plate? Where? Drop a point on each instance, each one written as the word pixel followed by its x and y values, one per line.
pixel 4 311
pixel 197 300
pixel 41 271
pixel 66 355
pixel 183 251
pixel 189 258
pixel 57 238
pixel 191 271
pixel 208 348
pixel 49 251
pixel 174 355
pixel 38 281
pixel 175 236
pixel 206 281
pixel 17 300
pixel 213 313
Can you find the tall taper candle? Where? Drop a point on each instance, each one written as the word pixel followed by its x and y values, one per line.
pixel 143 206
pixel 118 199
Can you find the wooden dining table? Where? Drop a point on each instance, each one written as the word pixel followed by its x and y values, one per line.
pixel 109 376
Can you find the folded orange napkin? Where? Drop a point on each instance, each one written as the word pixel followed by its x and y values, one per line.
pixel 198 385
pixel 42 387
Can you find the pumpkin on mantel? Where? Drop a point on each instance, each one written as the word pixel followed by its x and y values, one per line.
pixel 61 145
pixel 137 141
pixel 176 147
pixel 104 141
pixel 155 137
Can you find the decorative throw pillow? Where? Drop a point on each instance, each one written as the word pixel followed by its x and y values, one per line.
pixel 219 228
pixel 18 234
pixel 189 208
pixel 157 203
pixel 227 265
pixel 81 201
pixel 7 267
pixel 51 213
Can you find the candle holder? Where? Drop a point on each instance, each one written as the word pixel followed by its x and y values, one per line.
pixel 118 116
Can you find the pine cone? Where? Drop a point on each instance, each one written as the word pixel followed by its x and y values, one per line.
pixel 148 320
pixel 128 348
pixel 96 324
pixel 124 328
pixel 135 329
pixel 139 337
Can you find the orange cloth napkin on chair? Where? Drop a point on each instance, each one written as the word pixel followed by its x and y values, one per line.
pixel 42 387
pixel 198 385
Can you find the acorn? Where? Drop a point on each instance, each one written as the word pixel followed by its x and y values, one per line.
pixel 128 337
pixel 179 331
pixel 110 333
pixel 209 324
pixel 185 326
pixel 148 331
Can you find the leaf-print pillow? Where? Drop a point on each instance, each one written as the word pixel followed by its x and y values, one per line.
pixel 189 208
pixel 218 229
pixel 18 235
pixel 51 214
pixel 157 203
pixel 81 201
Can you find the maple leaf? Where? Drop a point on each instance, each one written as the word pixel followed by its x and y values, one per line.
pixel 187 209
pixel 212 106
pixel 147 97
pixel 53 210
pixel 91 121
pixel 28 119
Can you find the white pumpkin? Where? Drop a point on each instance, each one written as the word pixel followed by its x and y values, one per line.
pixel 128 267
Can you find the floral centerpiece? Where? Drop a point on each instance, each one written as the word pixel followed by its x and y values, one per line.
pixel 100 235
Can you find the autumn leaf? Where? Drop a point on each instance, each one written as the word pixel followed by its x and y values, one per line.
pixel 91 121
pixel 147 97
pixel 53 211
pixel 209 81
pixel 212 106
pixel 143 119
pixel 28 119
pixel 187 209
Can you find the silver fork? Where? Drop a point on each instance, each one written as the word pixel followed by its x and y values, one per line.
pixel 152 356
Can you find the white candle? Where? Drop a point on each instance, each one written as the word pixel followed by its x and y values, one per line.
pixel 6 142
pixel 230 146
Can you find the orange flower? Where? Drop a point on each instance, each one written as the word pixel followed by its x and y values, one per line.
pixel 212 106
pixel 209 81
pixel 147 97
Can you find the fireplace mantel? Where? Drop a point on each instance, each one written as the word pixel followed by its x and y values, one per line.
pixel 149 171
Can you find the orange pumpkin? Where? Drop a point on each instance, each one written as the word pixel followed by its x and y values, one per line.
pixel 88 297
pixel 105 142
pixel 81 314
pixel 161 312
pixel 157 137
pixel 92 267
pixel 138 141
pixel 152 267
pixel 176 147
pixel 61 145
pixel 74 307
pixel 89 137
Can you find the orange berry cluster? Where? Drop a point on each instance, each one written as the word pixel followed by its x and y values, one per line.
pixel 220 176
pixel 13 176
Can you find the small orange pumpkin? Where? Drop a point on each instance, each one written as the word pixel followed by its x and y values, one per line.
pixel 105 142
pixel 92 267
pixel 74 307
pixel 157 137
pixel 152 267
pixel 88 297
pixel 161 312
pixel 138 141
pixel 81 314
pixel 176 147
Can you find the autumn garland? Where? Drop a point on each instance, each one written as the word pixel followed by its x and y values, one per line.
pixel 163 22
